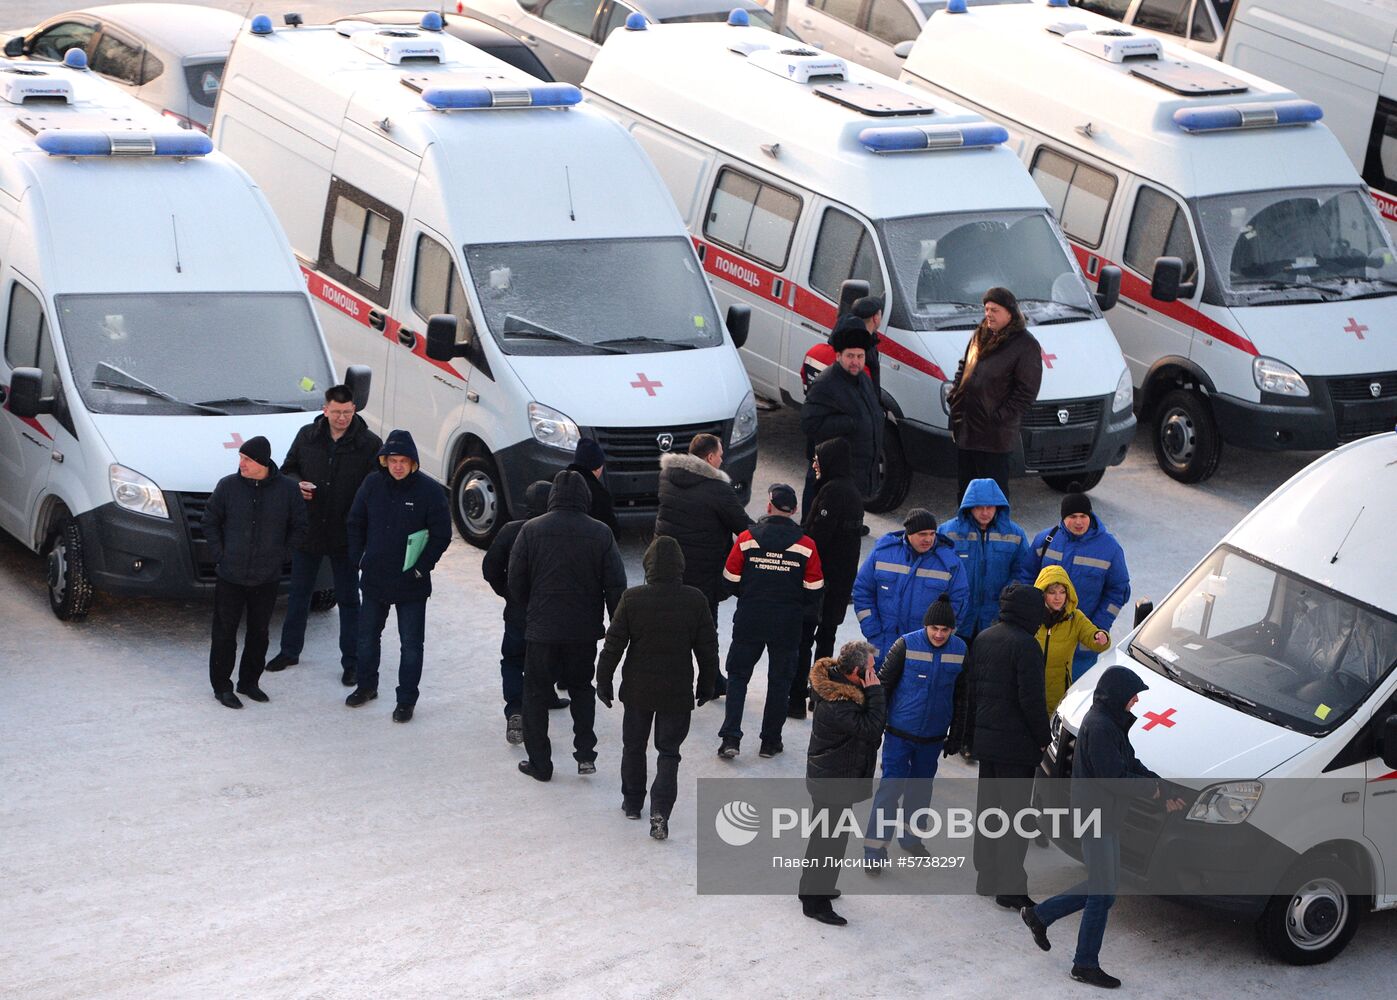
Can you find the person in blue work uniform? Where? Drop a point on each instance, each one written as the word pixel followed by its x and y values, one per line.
pixel 1095 562
pixel 904 573
pixel 992 548
pixel 924 681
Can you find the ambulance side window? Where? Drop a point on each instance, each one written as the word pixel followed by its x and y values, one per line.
pixel 359 241
pixel 890 21
pixel 752 217
pixel 571 15
pixel 841 10
pixel 1079 195
pixel 1202 30
pixel 27 343
pixel 118 59
pixel 844 249
pixel 1109 8
pixel 1159 228
pixel 1380 165
pixel 1168 16
pixel 436 287
pixel 54 42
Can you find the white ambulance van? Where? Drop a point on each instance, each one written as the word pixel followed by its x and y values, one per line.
pixel 1272 709
pixel 796 171
pixel 1259 298
pixel 153 319
pixel 416 177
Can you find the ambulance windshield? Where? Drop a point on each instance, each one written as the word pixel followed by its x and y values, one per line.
pixel 1268 643
pixel 943 264
pixel 208 353
pixel 627 296
pixel 1298 245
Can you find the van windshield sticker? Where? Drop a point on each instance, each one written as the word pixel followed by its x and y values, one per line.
pixel 698 322
pixel 1322 712
pixel 306 383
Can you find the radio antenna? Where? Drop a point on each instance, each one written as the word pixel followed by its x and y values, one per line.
pixel 174 228
pixel 572 215
pixel 1335 557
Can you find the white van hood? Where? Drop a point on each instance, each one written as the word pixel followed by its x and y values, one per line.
pixel 190 454
pixel 1325 338
pixel 1183 736
pixel 638 390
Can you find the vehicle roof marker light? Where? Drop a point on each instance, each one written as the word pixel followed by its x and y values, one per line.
pixel 93 143
pixel 1229 117
pixel 738 18
pixel 75 59
pixel 431 21
pixel 1058 3
pixel 920 139
pixel 543 95
pixel 635 21
pixel 955 6
pixel 261 25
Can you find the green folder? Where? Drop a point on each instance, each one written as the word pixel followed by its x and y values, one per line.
pixel 416 542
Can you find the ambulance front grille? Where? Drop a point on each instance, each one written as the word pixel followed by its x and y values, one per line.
pixel 637 449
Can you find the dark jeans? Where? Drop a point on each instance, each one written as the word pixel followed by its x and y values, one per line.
pixel 512 648
pixel 670 729
pixel 823 855
pixel 304 569
pixel 999 860
pixel 412 628
pixel 743 655
pixel 1094 896
pixel 982 465
pixel 817 641
pixel 230 600
pixel 570 666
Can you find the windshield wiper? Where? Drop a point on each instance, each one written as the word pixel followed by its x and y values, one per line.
pixel 132 384
pixel 523 329
pixel 248 400
pixel 1390 289
pixel 678 345
pixel 1166 668
pixel 1221 694
pixel 1050 320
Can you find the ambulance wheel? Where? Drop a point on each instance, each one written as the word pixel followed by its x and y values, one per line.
pixel 1087 481
pixel 70 591
pixel 895 476
pixel 1318 917
pixel 1186 442
pixel 322 600
pixel 477 501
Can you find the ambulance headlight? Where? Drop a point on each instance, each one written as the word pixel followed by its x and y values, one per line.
pixel 1275 376
pixel 1054 732
pixel 552 428
pixel 744 425
pixel 1228 804
pixel 946 398
pixel 135 492
pixel 1125 393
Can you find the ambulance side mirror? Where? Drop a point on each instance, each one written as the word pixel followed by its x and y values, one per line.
pixel 851 291
pixel 903 49
pixel 1108 287
pixel 1167 285
pixel 358 378
pixel 1143 607
pixel 15 46
pixel 441 338
pixel 1388 736
pixel 26 396
pixel 739 322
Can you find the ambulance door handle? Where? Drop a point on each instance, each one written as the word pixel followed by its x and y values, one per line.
pixel 811 326
pixel 377 320
pixel 406 337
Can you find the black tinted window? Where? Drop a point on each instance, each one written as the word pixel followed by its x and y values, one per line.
pixel 117 59
pixel 53 42
pixel 203 80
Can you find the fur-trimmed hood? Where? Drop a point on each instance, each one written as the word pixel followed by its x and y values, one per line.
pixel 831 690
pixel 684 463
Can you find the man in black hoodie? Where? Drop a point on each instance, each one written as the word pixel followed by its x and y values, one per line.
pixel 564 569
pixel 253 520
pixel 843 402
pixel 1106 776
pixel 1009 735
pixel 589 462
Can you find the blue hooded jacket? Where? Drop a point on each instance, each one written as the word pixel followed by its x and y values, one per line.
pixel 1096 564
pixel 992 558
pixel 896 585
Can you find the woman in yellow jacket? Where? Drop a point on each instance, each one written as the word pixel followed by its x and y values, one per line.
pixel 1067 629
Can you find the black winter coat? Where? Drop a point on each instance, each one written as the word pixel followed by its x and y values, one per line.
pixel 987 411
pixel 251 526
pixel 700 510
pixel 1105 772
pixel 1007 684
pixel 337 468
pixel 495 566
pixel 838 404
pixel 602 508
pixel 384 513
pixel 845 734
pixel 661 626
pixel 565 567
pixel 835 519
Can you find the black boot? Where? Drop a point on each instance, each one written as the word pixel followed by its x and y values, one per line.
pixel 1037 927
pixel 659 827
pixel 819 908
pixel 1093 976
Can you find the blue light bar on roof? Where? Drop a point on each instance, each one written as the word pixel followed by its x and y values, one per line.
pixel 57 143
pixel 1224 117
pixel 546 95
pixel 917 139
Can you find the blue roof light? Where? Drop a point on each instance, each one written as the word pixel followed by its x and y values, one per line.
pixel 431 21
pixel 261 25
pixel 635 21
pixel 1058 3
pixel 738 18
pixel 57 143
pixel 75 59
pixel 955 6
pixel 544 95
pixel 916 138
pixel 183 143
pixel 1226 117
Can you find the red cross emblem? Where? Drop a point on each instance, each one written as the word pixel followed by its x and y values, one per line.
pixel 1048 359
pixel 1356 328
pixel 1159 719
pixel 646 384
pixel 235 441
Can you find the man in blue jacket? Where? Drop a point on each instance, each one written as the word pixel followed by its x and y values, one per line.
pixel 904 573
pixel 388 510
pixel 992 548
pixel 1095 562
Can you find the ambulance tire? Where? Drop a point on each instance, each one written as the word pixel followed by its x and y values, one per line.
pixel 896 476
pixel 1186 441
pixel 1086 481
pixel 322 600
pixel 1318 917
pixel 477 500
pixel 70 590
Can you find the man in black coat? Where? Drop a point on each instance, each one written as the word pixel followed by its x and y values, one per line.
pixel 834 523
pixel 661 627
pixel 843 402
pixel 589 462
pixel 1009 735
pixel 495 569
pixel 399 526
pixel 252 522
pixel 564 568
pixel 850 713
pixel 331 456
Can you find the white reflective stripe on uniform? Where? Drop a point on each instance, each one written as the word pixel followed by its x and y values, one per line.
pixel 1093 563
pixel 934 574
pixel 916 654
pixel 1054 554
pixel 814 584
pixel 995 536
pixel 803 550
pixel 956 536
pixel 751 543
pixel 731 576
pixel 1113 609
pixel 952 658
pixel 861 615
pixel 892 567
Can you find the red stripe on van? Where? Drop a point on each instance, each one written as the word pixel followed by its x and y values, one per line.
pixel 1389 776
pixel 1137 290
pixel 1387 206
pixel 27 421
